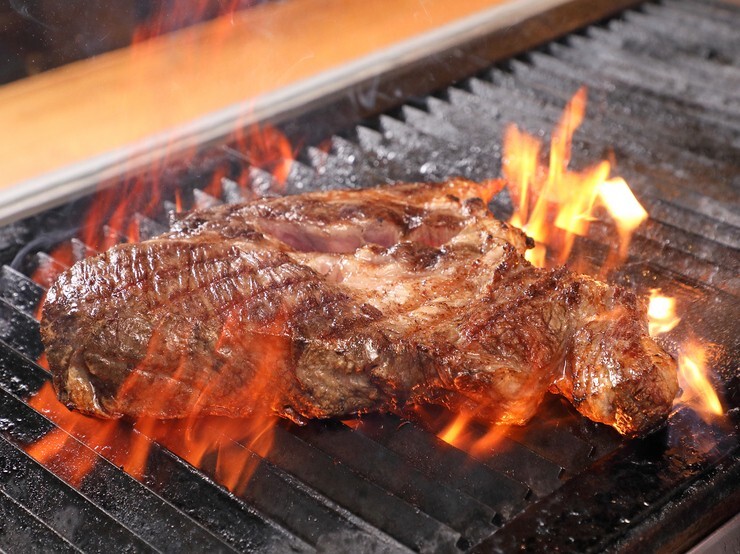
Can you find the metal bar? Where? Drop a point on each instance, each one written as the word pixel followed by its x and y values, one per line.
pixel 639 482
pixel 21 531
pixel 295 506
pixel 445 463
pixel 554 443
pixel 561 413
pixel 332 478
pixel 133 505
pixel 18 290
pixel 20 330
pixel 64 510
pixel 374 462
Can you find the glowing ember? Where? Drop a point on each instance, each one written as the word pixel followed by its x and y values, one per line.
pixel 661 313
pixel 553 204
pixel 693 371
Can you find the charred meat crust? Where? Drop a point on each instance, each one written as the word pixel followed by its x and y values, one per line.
pixel 337 303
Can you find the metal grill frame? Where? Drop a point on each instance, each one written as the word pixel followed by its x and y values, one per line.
pixel 323 486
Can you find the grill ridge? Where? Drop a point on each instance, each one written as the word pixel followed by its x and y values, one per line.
pixel 324 486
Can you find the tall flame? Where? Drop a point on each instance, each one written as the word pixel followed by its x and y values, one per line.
pixel 554 204
pixel 693 374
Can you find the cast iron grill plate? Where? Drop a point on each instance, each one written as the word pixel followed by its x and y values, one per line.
pixel 664 99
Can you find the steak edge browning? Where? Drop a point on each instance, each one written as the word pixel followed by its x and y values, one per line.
pixel 336 303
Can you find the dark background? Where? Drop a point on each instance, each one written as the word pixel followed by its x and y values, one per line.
pixel 37 35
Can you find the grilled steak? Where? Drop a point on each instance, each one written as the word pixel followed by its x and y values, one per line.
pixel 335 303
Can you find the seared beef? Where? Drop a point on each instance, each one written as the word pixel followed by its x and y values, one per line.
pixel 335 303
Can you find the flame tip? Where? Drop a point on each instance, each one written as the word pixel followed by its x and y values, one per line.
pixel 696 381
pixel 553 203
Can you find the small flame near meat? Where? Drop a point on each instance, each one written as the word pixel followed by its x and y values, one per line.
pixel 694 378
pixel 453 432
pixel 694 367
pixel 693 375
pixel 229 450
pixel 465 433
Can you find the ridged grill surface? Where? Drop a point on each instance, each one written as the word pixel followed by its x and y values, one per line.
pixel 664 98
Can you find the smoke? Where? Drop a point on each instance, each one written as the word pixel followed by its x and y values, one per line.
pixel 23 9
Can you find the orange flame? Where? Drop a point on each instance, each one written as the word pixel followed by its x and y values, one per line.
pixel 467 434
pixel 234 442
pixel 267 148
pixel 554 204
pixel 624 208
pixel 661 313
pixel 693 376
pixel 452 433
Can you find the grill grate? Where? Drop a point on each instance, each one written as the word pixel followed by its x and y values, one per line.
pixel 663 84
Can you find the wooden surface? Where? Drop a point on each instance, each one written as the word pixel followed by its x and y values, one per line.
pixel 73 113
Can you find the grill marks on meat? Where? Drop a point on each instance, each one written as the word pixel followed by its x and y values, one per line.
pixel 334 303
